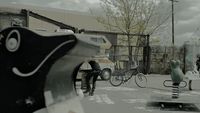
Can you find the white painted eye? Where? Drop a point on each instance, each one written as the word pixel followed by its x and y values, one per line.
pixel 13 41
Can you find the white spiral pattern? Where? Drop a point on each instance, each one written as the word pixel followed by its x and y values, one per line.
pixel 17 72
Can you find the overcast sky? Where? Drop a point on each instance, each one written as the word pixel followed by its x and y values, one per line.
pixel 187 14
pixel 187 19
pixel 78 5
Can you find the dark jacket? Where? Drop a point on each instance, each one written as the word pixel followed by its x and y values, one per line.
pixel 198 63
pixel 94 65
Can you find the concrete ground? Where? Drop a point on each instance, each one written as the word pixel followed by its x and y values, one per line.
pixel 128 98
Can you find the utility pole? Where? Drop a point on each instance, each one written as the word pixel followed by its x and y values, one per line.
pixel 173 26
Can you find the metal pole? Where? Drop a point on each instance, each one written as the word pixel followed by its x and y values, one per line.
pixel 148 55
pixel 27 19
pixel 172 22
pixel 173 26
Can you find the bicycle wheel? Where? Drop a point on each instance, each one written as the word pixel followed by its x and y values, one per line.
pixel 116 80
pixel 140 80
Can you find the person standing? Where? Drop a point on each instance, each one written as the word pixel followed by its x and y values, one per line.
pixel 198 68
pixel 198 63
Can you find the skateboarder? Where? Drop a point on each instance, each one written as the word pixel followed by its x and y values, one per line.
pixel 96 70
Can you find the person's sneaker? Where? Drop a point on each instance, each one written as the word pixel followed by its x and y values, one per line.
pixel 80 93
pixel 91 93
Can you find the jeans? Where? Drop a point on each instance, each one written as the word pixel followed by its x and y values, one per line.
pixel 89 76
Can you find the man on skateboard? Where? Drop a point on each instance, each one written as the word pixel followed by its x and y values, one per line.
pixel 96 70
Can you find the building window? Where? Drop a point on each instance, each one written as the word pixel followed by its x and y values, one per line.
pixel 98 40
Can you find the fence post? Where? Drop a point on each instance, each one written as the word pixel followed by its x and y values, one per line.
pixel 146 56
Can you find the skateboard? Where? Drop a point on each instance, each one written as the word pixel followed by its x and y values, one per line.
pixel 166 101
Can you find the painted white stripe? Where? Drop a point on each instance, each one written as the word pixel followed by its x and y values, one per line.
pixel 106 99
pixel 103 98
pixel 140 108
pixel 72 105
pixel 98 99
pixel 149 110
pixel 143 108
pixel 163 93
pixel 194 92
pixel 92 98
pixel 17 72
pixel 170 93
pixel 132 101
pixel 116 89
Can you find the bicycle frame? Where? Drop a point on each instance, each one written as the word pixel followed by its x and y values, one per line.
pixel 133 72
pixel 122 76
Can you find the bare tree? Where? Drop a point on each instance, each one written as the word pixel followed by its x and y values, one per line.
pixel 131 16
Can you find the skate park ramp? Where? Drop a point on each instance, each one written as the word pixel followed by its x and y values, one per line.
pixel 38 70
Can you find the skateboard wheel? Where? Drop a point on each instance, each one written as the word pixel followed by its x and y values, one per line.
pixel 180 106
pixel 162 106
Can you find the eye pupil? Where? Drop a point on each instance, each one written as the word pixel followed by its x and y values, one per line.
pixel 12 43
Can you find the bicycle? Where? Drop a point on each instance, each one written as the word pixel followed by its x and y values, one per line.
pixel 122 76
